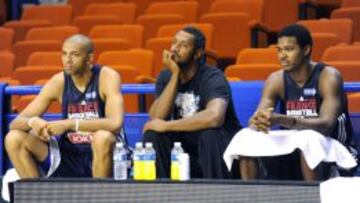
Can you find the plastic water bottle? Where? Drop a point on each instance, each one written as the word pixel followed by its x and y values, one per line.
pixel 149 162
pixel 175 166
pixel 138 161
pixel 120 162
pixel 184 166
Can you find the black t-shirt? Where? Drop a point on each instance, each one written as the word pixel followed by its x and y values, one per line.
pixel 208 83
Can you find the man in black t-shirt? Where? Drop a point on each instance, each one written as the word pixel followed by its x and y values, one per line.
pixel 193 106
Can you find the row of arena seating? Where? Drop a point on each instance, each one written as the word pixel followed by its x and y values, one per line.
pixel 120 37
pixel 42 65
pixel 204 5
pixel 323 43
pixel 237 18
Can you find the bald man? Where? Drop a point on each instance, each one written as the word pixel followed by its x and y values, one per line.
pixel 81 143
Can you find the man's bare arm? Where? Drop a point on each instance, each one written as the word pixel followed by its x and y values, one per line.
pixel 164 103
pixel 51 91
pixel 212 116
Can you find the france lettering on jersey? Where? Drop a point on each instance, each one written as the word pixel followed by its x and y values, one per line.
pixel 305 102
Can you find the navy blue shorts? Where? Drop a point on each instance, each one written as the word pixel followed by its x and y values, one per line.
pixel 64 160
pixel 70 160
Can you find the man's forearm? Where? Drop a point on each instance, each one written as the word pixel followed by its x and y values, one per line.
pixel 20 123
pixel 201 120
pixel 283 120
pixel 163 105
pixel 317 124
pixel 95 125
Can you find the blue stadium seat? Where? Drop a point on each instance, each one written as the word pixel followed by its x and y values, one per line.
pixel 133 126
pixel 246 96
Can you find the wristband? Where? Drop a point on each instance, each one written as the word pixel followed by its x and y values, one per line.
pixel 30 121
pixel 77 124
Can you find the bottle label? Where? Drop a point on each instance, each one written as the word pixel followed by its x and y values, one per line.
pixel 174 157
pixel 120 157
pixel 138 157
pixel 149 157
pixel 120 166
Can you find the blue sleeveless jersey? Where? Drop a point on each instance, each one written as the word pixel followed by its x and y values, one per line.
pixel 305 102
pixel 85 105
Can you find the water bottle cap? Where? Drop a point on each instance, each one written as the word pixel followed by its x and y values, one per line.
pixel 148 144
pixel 138 144
pixel 177 144
pixel 119 144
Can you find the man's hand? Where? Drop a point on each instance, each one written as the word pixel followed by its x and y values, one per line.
pixel 261 120
pixel 157 125
pixel 59 127
pixel 169 62
pixel 38 128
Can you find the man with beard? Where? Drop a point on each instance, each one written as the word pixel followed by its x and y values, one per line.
pixel 81 143
pixel 193 106
pixel 312 101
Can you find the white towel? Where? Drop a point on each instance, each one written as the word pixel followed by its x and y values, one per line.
pixel 315 147
pixel 340 189
pixel 10 176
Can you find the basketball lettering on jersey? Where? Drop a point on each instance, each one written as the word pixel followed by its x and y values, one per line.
pixel 83 111
pixel 302 108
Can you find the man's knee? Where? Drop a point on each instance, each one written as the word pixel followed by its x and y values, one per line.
pixel 14 139
pixel 103 140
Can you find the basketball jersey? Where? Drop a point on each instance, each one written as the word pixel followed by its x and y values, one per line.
pixel 305 102
pixel 85 105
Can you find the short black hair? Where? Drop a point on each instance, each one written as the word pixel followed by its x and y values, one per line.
pixel 199 40
pixel 300 32
pixel 199 37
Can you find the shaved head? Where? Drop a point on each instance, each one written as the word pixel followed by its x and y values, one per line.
pixel 81 39
pixel 77 54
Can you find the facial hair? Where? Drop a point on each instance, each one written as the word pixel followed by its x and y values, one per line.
pixel 185 64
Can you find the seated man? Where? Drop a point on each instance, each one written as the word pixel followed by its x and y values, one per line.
pixel 92 116
pixel 311 97
pixel 193 106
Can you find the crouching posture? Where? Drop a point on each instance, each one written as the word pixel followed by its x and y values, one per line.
pixel 81 143
pixel 313 107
